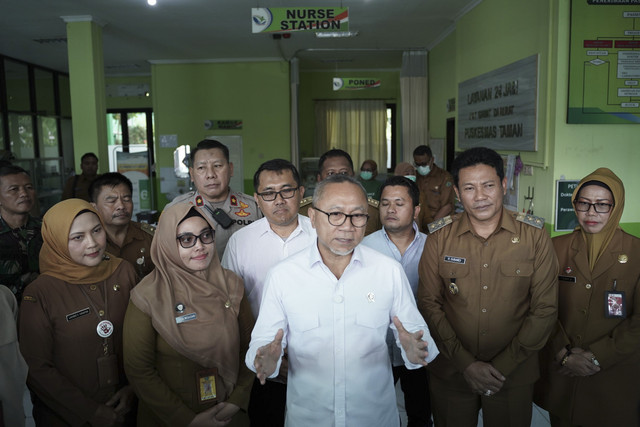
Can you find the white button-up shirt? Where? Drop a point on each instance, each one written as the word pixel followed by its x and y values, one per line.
pixel 339 370
pixel 254 249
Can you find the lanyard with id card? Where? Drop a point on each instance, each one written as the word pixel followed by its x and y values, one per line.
pixel 615 305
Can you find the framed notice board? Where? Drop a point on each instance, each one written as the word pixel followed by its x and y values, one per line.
pixel 565 216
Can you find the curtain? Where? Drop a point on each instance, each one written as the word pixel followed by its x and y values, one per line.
pixel 355 126
pixel 415 102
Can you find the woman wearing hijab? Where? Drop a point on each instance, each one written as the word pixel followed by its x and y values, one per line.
pixel 187 329
pixel 71 323
pixel 591 365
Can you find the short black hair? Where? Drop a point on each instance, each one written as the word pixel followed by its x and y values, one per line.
pixel 208 144
pixel 476 156
pixel 422 150
pixel 401 181
pixel 12 170
pixel 110 179
pixel 334 152
pixel 87 155
pixel 276 165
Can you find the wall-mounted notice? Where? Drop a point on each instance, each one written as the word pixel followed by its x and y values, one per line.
pixel 355 83
pixel 566 219
pixel 604 62
pixel 289 19
pixel 498 109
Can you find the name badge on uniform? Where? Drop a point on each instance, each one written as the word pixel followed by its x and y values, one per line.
pixel 206 381
pixel 615 305
pixel 76 314
pixel 455 260
pixel 571 279
pixel 186 318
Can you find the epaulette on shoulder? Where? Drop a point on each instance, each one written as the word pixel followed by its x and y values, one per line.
pixel 439 223
pixel 148 228
pixel 306 201
pixel 373 202
pixel 533 220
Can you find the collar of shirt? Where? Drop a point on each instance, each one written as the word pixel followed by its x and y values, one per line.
pixel 416 236
pixel 265 228
pixel 316 259
pixel 507 222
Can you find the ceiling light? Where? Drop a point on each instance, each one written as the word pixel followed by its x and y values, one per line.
pixel 334 34
pixel 151 2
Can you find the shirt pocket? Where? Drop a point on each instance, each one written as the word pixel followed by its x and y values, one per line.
pixel 372 332
pixel 305 335
pixel 458 274
pixel 516 280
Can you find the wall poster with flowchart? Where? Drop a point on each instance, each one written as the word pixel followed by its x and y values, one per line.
pixel 604 62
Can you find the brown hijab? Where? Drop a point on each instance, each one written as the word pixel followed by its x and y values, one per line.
pixel 54 256
pixel 597 242
pixel 211 339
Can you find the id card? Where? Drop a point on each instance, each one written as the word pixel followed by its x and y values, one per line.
pixel 108 371
pixel 615 304
pixel 206 380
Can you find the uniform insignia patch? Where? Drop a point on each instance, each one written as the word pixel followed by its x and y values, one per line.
pixel 29 298
pixel 306 201
pixel 242 212
pixel 199 201
pixel 439 223
pixel 532 220
pixel 233 200
pixel 373 202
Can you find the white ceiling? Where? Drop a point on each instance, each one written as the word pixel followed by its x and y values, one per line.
pixel 135 34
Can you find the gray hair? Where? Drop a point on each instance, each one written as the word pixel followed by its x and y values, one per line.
pixel 335 179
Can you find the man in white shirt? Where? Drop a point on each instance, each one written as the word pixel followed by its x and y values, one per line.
pixel 330 305
pixel 400 239
pixel 254 249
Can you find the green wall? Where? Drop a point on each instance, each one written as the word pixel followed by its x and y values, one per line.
pixel 318 85
pixel 495 34
pixel 185 95
pixel 126 102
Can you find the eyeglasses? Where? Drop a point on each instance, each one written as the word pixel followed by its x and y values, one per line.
pixel 286 193
pixel 338 218
pixel 189 240
pixel 598 207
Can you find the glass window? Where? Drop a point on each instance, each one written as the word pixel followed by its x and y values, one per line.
pixel 48 137
pixel 21 134
pixel 65 95
pixel 114 128
pixel 17 77
pixel 137 125
pixel 45 96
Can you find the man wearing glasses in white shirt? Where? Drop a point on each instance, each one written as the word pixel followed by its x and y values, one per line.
pixel 254 249
pixel 330 305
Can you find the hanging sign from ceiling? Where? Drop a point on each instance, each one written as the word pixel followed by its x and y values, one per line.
pixel 290 19
pixel 355 83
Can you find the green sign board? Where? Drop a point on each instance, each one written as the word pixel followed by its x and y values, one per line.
pixel 290 19
pixel 565 216
pixel 355 83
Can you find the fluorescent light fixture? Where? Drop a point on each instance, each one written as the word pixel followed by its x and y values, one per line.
pixel 334 34
pixel 151 2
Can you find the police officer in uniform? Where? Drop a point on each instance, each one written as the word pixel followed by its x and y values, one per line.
pixel 211 172
pixel 111 196
pixel 488 291
pixel 338 161
pixel 20 238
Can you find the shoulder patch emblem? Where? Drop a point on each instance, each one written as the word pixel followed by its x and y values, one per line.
pixel 199 201
pixel 532 220
pixel 306 201
pixel 148 228
pixel 233 200
pixel 373 202
pixel 242 212
pixel 439 223
pixel 29 298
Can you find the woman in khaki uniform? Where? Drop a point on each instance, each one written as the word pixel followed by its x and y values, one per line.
pixel 71 324
pixel 591 365
pixel 187 330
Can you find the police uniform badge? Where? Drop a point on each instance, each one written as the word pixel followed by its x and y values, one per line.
pixel 233 200
pixel 199 201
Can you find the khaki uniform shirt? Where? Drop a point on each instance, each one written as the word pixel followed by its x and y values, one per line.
pixel 240 207
pixel 610 397
pixel 58 339
pixel 373 224
pixel 492 300
pixel 136 247
pixel 436 191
